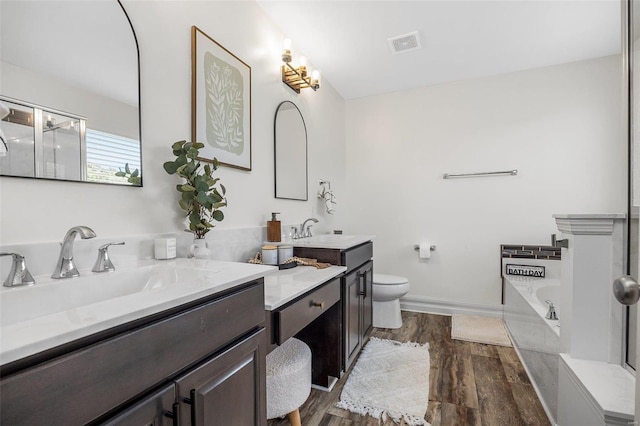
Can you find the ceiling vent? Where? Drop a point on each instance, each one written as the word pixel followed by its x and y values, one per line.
pixel 405 43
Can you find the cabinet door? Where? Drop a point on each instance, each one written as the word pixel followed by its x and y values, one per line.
pixel 159 409
pixel 351 317
pixel 229 389
pixel 366 273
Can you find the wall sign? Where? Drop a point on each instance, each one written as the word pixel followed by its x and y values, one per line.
pixel 526 270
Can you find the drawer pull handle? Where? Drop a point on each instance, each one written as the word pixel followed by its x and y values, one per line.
pixel 175 414
pixel 318 304
pixel 192 402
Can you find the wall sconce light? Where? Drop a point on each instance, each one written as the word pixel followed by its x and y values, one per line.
pixel 297 78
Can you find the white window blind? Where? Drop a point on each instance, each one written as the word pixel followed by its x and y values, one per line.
pixel 108 154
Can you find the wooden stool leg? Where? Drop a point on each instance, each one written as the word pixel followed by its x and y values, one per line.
pixel 294 418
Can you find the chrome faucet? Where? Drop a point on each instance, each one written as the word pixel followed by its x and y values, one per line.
pixel 65 268
pixel 103 262
pixel 551 314
pixel 307 233
pixel 18 274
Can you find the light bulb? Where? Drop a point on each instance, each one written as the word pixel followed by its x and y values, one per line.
pixel 303 61
pixel 286 51
pixel 315 79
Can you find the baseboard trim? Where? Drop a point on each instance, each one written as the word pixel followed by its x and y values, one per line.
pixel 430 305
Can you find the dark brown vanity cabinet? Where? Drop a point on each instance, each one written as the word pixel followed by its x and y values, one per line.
pixel 358 313
pixel 228 389
pixel 158 409
pixel 356 294
pixel 202 363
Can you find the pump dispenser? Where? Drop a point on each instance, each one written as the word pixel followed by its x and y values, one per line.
pixel 273 228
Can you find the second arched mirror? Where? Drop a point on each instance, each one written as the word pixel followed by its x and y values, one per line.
pixel 290 141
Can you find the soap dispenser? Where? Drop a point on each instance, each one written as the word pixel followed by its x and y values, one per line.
pixel 273 228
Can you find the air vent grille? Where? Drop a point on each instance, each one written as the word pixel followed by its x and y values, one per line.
pixel 405 43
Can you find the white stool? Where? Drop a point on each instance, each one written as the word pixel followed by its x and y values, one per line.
pixel 288 379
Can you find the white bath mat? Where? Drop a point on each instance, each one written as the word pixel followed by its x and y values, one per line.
pixel 389 379
pixel 479 329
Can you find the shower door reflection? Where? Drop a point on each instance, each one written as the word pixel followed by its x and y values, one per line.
pixel 62 138
pixel 42 143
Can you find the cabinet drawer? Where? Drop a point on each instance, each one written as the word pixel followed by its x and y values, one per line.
pixel 356 256
pixel 301 313
pixel 79 387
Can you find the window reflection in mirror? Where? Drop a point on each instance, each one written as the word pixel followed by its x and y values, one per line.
pixel 80 86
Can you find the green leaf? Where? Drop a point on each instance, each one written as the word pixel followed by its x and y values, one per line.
pixel 121 174
pixel 192 153
pixel 194 218
pixel 170 167
pixel 218 215
pixel 207 170
pixel 184 205
pixel 224 190
pixel 126 168
pixel 201 186
pixel 188 188
pixel 135 173
pixel 219 205
pixel 178 145
pixel 202 197
pixel 198 145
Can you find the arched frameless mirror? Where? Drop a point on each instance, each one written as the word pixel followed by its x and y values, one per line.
pixel 69 92
pixel 290 140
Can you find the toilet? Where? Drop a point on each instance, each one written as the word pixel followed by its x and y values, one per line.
pixel 387 291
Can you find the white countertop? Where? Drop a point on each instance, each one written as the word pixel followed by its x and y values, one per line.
pixel 43 316
pixel 328 241
pixel 283 286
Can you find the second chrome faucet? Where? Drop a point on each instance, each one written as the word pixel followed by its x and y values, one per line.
pixel 66 268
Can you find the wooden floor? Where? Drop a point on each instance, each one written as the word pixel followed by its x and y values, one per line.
pixel 470 383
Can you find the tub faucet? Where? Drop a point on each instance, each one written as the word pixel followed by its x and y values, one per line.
pixel 65 268
pixel 307 233
pixel 551 314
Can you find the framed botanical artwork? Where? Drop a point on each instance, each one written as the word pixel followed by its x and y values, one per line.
pixel 220 102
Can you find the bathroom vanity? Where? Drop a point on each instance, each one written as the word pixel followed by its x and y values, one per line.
pixel 355 253
pixel 185 352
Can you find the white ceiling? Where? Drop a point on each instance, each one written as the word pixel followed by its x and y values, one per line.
pixel 347 40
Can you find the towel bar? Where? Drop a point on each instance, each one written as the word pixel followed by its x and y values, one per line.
pixel 506 172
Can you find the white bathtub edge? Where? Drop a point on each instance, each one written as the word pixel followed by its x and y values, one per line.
pixel 547 411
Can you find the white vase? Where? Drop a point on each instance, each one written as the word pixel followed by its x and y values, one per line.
pixel 199 249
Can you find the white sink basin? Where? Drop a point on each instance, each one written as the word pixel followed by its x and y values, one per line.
pixel 332 241
pixel 49 296
pixel 53 312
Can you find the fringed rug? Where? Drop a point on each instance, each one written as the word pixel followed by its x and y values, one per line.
pixel 390 379
pixel 472 328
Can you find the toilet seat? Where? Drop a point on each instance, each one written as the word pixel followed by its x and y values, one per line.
pixel 383 279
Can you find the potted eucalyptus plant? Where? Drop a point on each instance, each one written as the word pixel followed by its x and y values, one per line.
pixel 202 195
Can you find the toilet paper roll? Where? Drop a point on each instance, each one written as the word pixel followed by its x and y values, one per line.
pixel 425 250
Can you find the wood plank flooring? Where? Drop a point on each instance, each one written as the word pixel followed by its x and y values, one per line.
pixel 469 383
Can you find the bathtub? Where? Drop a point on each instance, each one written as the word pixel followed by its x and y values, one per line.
pixel 536 339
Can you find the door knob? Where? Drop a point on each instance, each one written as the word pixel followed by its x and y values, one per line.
pixel 626 290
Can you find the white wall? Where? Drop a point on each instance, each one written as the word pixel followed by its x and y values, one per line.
pixel 559 126
pixel 42 211
pixel 102 113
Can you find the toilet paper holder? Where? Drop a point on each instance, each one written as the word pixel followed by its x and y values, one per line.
pixel 416 247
